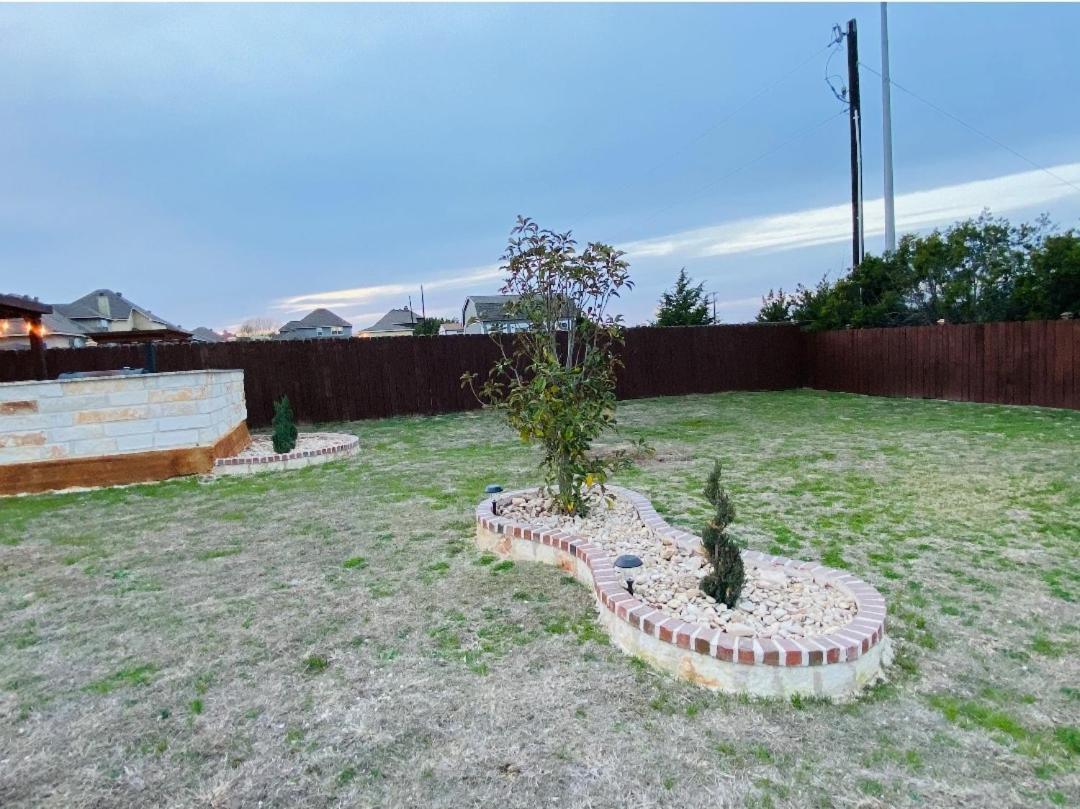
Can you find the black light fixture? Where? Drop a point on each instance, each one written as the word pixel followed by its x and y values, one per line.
pixel 493 488
pixel 628 562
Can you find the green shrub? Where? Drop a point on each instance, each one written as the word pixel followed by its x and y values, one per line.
pixel 725 581
pixel 285 432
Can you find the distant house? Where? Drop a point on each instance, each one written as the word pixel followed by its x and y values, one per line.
pixel 451 328
pixel 204 335
pixel 484 314
pixel 57 332
pixel 316 325
pixel 395 323
pixel 104 311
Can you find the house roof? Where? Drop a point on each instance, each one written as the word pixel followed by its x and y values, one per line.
pixel 492 307
pixel 323 317
pixel 204 335
pixel 117 308
pixel 395 320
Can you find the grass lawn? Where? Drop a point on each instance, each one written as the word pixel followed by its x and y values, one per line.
pixel 331 636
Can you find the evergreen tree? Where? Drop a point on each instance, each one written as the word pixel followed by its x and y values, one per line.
pixel 725 581
pixel 285 432
pixel 685 305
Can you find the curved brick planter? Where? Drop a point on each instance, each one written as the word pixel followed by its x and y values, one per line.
pixel 343 446
pixel 837 665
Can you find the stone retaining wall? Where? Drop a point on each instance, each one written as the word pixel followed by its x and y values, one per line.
pixel 837 665
pixel 98 431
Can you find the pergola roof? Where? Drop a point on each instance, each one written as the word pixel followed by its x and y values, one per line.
pixel 141 336
pixel 16 306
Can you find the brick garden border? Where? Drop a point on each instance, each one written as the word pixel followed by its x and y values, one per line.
pixel 345 446
pixel 835 665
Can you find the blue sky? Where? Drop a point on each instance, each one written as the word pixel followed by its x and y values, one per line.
pixel 216 163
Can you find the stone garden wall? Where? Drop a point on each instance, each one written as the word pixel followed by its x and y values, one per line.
pixel 60 433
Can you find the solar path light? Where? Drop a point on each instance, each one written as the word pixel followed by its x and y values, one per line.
pixel 628 562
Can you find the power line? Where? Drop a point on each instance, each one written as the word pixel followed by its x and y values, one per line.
pixel 760 92
pixel 786 142
pixel 977 131
pixel 679 150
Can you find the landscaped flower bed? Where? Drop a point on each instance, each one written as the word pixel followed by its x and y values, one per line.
pixel 798 627
pixel 310 449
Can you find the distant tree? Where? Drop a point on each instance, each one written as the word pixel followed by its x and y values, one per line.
pixel 1051 286
pixel 976 271
pixel 429 326
pixel 775 307
pixel 257 327
pixel 685 305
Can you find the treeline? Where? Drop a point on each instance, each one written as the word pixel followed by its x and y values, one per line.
pixel 976 271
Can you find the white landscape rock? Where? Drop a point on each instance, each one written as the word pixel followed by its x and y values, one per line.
pixel 772 604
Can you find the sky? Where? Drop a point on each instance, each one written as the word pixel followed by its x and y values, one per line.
pixel 218 163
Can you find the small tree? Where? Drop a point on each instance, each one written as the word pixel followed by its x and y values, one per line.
pixel 685 305
pixel 725 581
pixel 427 327
pixel 285 432
pixel 556 384
pixel 257 327
pixel 775 307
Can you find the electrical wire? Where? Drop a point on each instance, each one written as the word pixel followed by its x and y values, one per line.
pixel 841 94
pixel 784 143
pixel 679 150
pixel 758 94
pixel 977 131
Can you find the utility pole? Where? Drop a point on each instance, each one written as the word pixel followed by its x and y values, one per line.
pixel 423 309
pixel 886 135
pixel 855 126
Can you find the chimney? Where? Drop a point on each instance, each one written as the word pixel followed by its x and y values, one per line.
pixel 103 304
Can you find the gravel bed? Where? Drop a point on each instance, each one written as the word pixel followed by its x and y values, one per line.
pixel 772 602
pixel 262 446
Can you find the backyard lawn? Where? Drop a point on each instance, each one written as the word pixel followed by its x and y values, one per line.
pixel 331 636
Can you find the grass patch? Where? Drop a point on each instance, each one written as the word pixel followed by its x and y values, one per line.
pixel 129 677
pixel 421 666
pixel 315 664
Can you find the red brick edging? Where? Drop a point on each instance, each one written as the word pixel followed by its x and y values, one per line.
pixel 845 645
pixel 346 446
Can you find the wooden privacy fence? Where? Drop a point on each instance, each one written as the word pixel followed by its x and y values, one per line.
pixel 341 380
pixel 1022 363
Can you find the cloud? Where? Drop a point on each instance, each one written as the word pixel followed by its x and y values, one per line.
pixel 827 225
pixel 739 303
pixel 369 294
pixel 757 235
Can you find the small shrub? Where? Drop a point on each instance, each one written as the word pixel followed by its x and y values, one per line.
pixel 725 581
pixel 285 432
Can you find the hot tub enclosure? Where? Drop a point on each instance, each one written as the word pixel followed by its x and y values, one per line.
pixel 65 433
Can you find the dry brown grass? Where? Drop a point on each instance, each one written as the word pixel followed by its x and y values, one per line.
pixel 331 637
